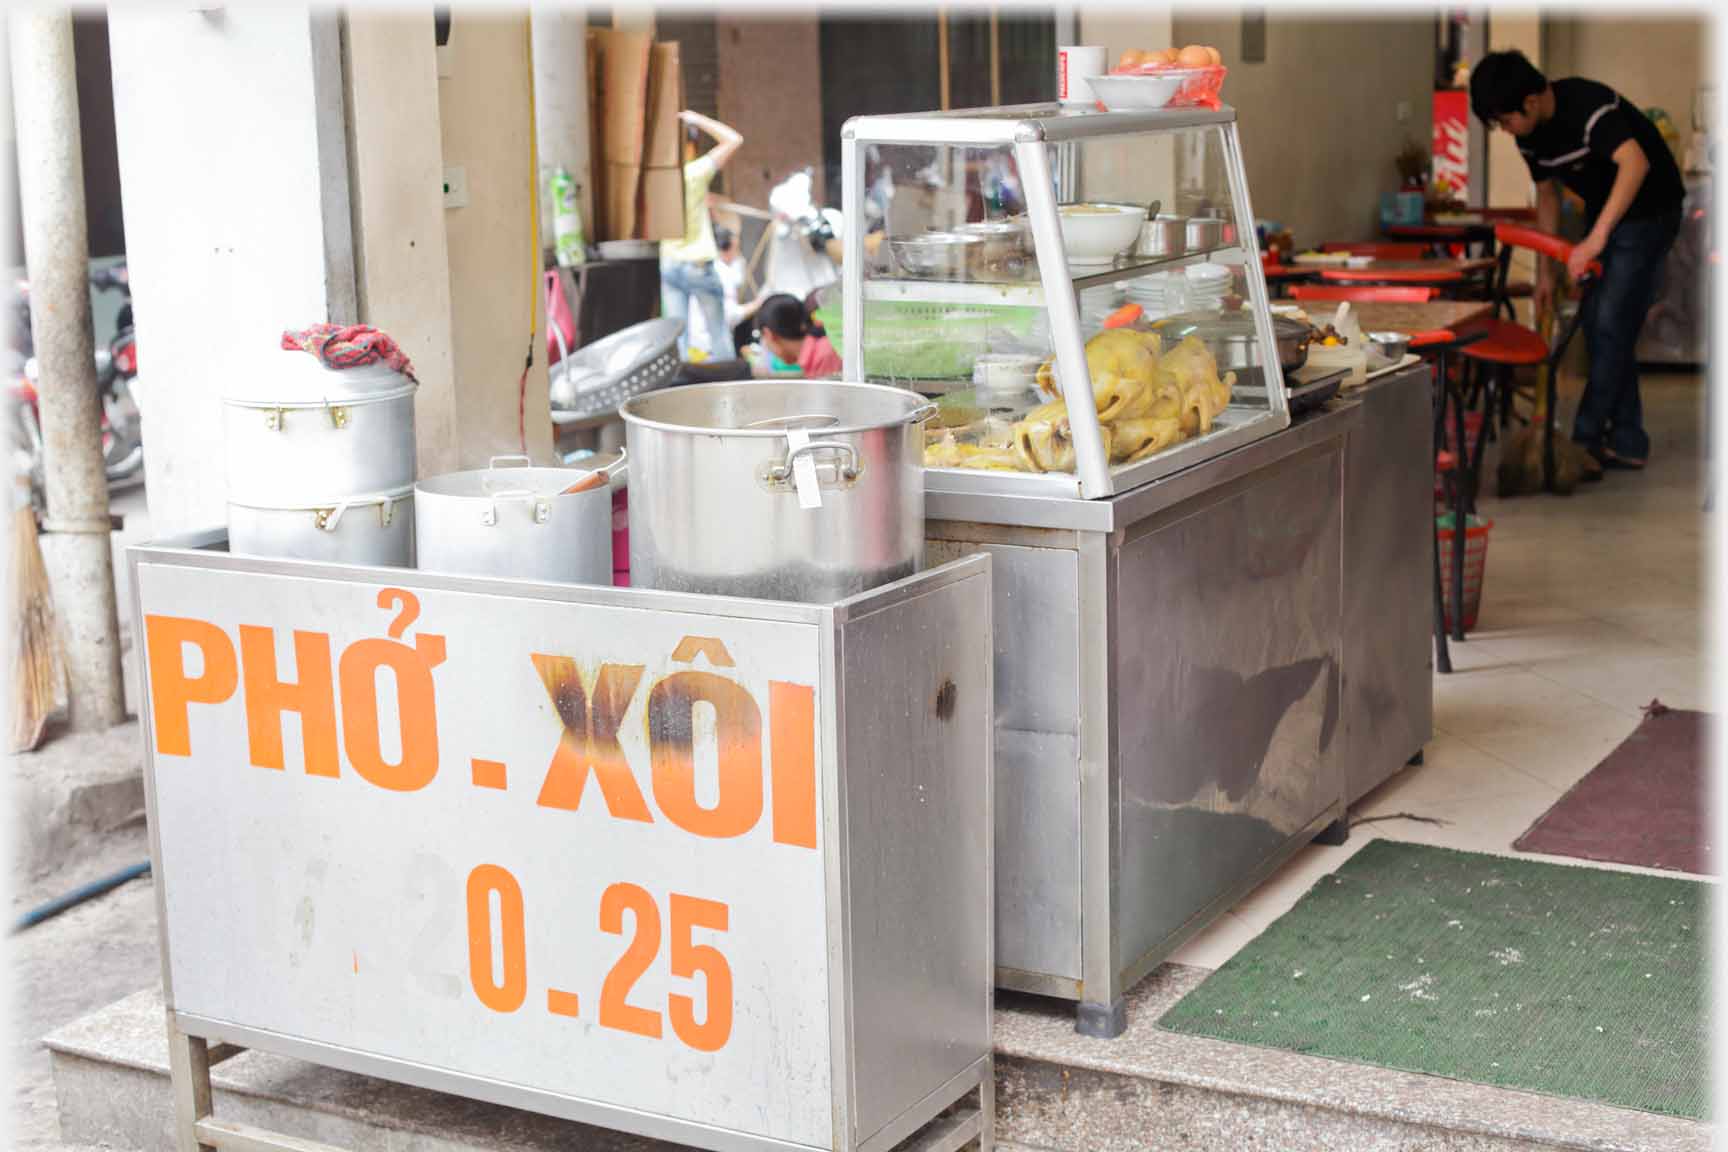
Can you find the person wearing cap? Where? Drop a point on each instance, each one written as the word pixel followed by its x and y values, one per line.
pixel 1585 136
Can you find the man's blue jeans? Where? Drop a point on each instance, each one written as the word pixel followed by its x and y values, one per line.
pixel 680 283
pixel 1611 414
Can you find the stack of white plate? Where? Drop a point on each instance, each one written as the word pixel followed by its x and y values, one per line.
pixel 1207 286
pixel 321 462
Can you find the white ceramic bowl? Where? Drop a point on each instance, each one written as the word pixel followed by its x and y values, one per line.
pixel 1120 92
pixel 1095 234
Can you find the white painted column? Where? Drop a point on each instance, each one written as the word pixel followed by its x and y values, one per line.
pixel 561 99
pixel 233 169
pixel 77 551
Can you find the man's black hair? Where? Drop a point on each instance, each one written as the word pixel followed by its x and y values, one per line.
pixel 723 238
pixel 784 316
pixel 1501 83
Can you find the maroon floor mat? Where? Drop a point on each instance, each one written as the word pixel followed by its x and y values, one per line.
pixel 1646 804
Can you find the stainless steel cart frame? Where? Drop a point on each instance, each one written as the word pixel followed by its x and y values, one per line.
pixel 903 705
pixel 1034 131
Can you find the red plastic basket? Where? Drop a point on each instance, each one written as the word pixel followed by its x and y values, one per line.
pixel 1475 566
pixel 621 538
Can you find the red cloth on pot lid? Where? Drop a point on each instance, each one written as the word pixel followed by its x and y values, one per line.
pixel 341 346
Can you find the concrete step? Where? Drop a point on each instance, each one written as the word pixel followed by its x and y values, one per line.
pixel 1056 1092
pixel 1149 1088
pixel 71 793
pixel 111 1087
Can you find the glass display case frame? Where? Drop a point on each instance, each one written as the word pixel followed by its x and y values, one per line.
pixel 1030 131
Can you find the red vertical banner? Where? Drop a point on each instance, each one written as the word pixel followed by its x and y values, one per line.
pixel 1452 140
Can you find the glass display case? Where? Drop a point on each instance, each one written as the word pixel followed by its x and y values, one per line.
pixel 1011 261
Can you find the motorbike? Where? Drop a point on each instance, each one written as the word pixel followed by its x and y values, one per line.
pixel 116 379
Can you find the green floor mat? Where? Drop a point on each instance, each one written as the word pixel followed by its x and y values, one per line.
pixel 1569 981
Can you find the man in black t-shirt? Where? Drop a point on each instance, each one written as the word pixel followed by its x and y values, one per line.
pixel 1598 144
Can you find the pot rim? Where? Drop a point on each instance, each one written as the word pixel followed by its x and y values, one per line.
pixel 912 415
pixel 566 477
pixel 363 500
pixel 339 401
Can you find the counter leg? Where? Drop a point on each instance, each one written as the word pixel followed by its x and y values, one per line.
pixel 1105 1021
pixel 189 1075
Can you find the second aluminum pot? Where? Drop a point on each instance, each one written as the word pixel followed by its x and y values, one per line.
pixel 717 502
pixel 516 521
pixel 375 528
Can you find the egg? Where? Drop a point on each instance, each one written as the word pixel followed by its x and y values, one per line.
pixel 1130 59
pixel 1217 56
pixel 1162 57
pixel 1194 56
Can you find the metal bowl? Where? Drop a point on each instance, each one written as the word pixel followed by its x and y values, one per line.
pixel 1391 345
pixel 938 255
pixel 1007 244
pixel 1204 233
pixel 1163 235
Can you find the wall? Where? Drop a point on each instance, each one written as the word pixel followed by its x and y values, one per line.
pixel 770 88
pixel 1657 61
pixel 228 229
pixel 1139 173
pixel 485 108
pixel 1509 183
pixel 1320 118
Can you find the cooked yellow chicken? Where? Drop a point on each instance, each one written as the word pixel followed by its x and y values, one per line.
pixel 1147 399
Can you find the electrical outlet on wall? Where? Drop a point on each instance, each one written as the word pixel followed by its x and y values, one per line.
pixel 455 188
pixel 1403 110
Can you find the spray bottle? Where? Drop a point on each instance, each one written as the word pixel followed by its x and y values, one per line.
pixel 568 244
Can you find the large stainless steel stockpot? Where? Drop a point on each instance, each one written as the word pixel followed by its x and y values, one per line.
pixel 515 521
pixel 809 490
pixel 302 451
pixel 375 528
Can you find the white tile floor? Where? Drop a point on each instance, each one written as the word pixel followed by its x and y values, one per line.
pixel 1593 605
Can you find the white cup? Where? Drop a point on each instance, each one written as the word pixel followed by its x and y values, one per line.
pixel 1076 64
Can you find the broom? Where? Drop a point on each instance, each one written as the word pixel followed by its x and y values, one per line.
pixel 1520 468
pixel 35 639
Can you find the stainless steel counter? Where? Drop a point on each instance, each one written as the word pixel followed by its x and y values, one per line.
pixel 1168 701
pixel 1388 580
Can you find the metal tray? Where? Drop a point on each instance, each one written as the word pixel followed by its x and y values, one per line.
pixel 593 381
pixel 1308 396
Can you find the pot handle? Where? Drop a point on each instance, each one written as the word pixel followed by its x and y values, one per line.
pixel 923 412
pixel 526 462
pixel 778 473
pixel 542 509
pixel 327 518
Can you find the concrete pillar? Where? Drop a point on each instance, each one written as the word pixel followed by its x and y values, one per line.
pixel 497 301
pixel 396 172
pixel 561 100
pixel 56 244
pixel 233 172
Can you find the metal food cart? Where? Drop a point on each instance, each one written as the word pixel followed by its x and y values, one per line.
pixel 704 869
pixel 1167 621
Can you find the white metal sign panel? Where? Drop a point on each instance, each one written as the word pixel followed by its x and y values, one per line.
pixel 568 847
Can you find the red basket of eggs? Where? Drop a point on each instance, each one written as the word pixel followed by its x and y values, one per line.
pixel 1163 78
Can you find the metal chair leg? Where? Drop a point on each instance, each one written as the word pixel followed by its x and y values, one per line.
pixel 1442 654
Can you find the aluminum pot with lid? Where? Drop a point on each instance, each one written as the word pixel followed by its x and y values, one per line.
pixel 808 490
pixel 1234 339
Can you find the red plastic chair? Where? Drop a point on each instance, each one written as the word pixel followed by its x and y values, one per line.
pixel 1371 275
pixel 1507 345
pixel 1365 293
pixel 1380 250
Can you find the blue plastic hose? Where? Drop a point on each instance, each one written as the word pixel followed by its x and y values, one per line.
pixel 78 895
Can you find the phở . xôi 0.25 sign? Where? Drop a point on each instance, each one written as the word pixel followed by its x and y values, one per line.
pixel 571 847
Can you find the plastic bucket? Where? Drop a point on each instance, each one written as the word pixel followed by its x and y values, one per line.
pixel 1476 533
